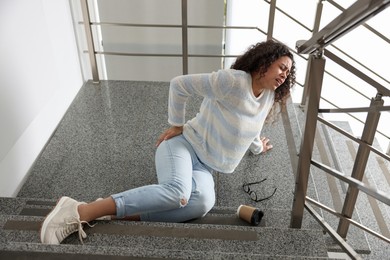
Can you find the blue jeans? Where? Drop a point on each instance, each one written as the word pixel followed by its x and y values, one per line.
pixel 185 188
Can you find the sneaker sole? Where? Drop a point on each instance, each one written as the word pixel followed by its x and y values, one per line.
pixel 50 217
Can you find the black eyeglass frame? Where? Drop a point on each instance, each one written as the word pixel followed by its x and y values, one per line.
pixel 247 189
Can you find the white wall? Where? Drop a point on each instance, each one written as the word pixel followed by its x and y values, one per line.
pixel 39 77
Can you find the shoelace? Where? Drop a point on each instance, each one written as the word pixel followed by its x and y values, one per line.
pixel 80 229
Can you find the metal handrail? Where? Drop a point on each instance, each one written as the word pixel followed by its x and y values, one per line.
pixel 91 50
pixel 355 15
pixel 360 12
pixel 164 55
pixel 384 38
pixel 353 222
pixel 357 140
pixel 185 55
pixel 91 47
pixel 287 15
pixel 353 109
pixel 343 244
pixel 361 75
pixel 365 25
pixel 361 64
pixel 377 194
pixel 172 25
pixel 380 88
pixel 184 35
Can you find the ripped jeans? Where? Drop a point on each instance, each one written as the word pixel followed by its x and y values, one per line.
pixel 185 188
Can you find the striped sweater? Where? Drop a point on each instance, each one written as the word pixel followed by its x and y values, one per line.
pixel 230 118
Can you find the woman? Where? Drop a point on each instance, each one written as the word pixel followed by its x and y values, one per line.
pixel 236 104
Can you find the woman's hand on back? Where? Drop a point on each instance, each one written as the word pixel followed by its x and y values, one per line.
pixel 169 133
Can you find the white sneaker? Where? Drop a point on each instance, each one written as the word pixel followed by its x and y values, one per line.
pixel 62 221
pixel 104 218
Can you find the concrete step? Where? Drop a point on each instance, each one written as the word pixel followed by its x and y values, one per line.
pixel 120 238
pixel 210 238
pixel 105 144
pixel 39 208
pixel 65 252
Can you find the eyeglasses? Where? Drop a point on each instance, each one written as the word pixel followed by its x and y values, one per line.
pixel 252 194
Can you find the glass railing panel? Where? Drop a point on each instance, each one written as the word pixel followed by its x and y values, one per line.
pixel 203 64
pixel 207 41
pixel 136 11
pixel 205 12
pixel 138 68
pixel 141 39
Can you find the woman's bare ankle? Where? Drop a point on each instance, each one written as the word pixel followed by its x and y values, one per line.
pixel 82 210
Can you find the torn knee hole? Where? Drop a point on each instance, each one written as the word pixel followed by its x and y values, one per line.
pixel 183 202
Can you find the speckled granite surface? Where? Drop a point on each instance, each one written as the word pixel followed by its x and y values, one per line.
pixel 105 144
pixel 171 240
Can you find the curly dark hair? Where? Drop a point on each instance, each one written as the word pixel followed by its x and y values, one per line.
pixel 259 57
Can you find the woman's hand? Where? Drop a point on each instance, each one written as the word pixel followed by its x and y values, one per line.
pixel 169 133
pixel 265 142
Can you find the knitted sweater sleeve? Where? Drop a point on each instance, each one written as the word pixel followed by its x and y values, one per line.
pixel 257 146
pixel 213 85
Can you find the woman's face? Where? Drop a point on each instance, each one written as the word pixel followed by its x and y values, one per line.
pixel 276 74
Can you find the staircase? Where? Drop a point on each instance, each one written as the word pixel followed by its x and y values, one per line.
pixel 331 192
pixel 105 144
pixel 219 236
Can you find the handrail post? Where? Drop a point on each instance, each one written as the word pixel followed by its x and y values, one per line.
pixel 388 149
pixel 89 36
pixel 184 36
pixel 317 66
pixel 271 19
pixel 360 163
pixel 316 27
